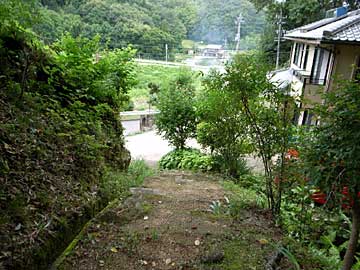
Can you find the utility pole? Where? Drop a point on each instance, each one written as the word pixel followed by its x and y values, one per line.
pixel 166 52
pixel 280 22
pixel 239 21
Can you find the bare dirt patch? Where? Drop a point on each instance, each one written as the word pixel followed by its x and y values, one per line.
pixel 172 228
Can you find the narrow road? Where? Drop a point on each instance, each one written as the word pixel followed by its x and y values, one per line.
pixel 147 146
pixel 150 146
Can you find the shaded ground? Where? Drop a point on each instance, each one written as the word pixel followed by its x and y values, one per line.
pixel 169 226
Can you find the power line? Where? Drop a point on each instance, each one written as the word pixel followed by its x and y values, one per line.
pixel 239 21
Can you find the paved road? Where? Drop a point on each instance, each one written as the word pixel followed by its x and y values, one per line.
pixel 150 146
pixel 131 126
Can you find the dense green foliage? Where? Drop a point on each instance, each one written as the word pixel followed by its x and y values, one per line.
pixel 333 158
pixel 147 25
pixel 59 131
pixel 176 121
pixel 222 124
pixel 242 111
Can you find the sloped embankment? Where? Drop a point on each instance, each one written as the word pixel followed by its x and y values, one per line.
pixel 59 133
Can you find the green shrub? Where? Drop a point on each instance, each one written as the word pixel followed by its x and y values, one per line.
pixel 116 184
pixel 238 167
pixel 176 121
pixel 188 159
pixel 242 198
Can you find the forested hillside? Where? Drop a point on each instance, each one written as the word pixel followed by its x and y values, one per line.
pixel 217 22
pixel 150 24
pixel 146 24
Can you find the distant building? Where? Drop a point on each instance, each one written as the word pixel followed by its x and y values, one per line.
pixel 213 50
pixel 321 51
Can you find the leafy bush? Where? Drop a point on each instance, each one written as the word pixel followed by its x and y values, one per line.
pixel 238 168
pixel 187 159
pixel 221 127
pixel 176 121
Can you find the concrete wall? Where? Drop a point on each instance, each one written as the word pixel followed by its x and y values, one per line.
pixel 312 95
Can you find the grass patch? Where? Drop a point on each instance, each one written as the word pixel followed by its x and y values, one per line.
pixel 116 184
pixel 155 74
pixel 244 251
pixel 243 198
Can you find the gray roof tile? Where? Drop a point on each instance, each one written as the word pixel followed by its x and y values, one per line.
pixel 346 28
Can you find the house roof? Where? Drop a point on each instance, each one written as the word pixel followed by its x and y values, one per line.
pixel 344 29
pixel 281 78
pixel 214 47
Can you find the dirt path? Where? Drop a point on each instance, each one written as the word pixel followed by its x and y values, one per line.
pixel 168 225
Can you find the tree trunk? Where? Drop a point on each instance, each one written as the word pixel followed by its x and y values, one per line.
pixel 351 250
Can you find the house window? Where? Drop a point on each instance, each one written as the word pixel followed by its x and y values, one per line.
pixel 306 57
pixel 320 66
pixel 304 120
pixel 308 118
pixel 296 53
pixel 300 49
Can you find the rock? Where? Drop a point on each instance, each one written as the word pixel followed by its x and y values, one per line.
pixel 215 256
pixel 168 261
pixel 180 180
pixel 143 262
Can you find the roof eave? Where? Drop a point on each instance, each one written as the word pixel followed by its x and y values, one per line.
pixel 345 42
pixel 304 40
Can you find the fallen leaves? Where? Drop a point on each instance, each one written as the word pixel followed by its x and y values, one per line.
pixel 114 250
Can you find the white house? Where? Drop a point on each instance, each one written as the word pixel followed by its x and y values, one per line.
pixel 321 51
